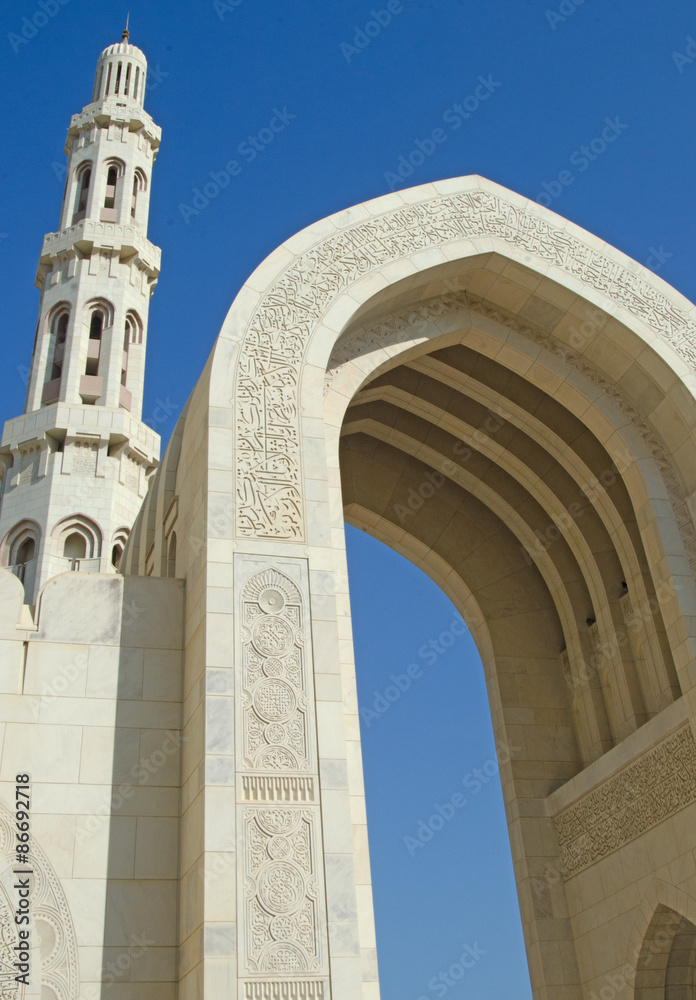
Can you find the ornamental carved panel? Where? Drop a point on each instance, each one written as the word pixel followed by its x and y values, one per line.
pixel 268 447
pixel 628 804
pixel 53 958
pixel 275 730
pixel 281 891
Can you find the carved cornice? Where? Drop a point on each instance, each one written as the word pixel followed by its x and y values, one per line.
pixel 628 804
pixel 269 495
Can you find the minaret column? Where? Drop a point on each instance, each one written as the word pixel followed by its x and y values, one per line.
pixel 95 275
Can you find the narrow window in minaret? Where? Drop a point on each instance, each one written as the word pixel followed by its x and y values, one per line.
pixel 135 88
pixel 94 347
pixel 111 178
pixel 118 79
pixel 128 76
pixel 75 549
pixel 108 81
pixel 126 346
pixel 81 210
pixel 61 330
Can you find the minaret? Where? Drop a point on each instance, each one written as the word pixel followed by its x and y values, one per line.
pixel 75 464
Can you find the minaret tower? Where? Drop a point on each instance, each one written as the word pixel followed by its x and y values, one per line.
pixel 75 464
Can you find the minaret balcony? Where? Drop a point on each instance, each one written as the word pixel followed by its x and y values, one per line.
pixel 88 233
pixel 93 349
pixel 91 387
pixel 121 111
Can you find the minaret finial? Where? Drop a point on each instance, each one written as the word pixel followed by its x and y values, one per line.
pixel 126 33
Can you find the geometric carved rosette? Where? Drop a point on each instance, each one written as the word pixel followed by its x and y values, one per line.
pixel 281 891
pixel 274 679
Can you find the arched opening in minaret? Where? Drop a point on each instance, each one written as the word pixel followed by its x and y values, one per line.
pixel 59 329
pixel 111 180
pixel 96 328
pixel 26 551
pixel 75 546
pixel 438 837
pixel 139 184
pixel 84 180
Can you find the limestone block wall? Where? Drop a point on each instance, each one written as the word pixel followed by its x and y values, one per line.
pixel 626 827
pixel 91 711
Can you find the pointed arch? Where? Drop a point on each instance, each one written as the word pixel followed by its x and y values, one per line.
pixel 20 551
pixel 118 545
pixel 83 179
pixel 77 538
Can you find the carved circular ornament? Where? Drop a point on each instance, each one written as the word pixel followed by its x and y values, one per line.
pixel 273 667
pixel 279 848
pixel 272 601
pixel 277 759
pixel 272 636
pixel 284 957
pixel 275 733
pixel 282 928
pixel 281 887
pixel 274 700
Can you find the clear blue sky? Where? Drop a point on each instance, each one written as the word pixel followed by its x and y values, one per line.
pixel 351 114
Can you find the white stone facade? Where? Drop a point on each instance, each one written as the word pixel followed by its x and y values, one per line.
pixel 191 727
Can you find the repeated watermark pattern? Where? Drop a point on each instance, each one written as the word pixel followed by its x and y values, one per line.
pixel 443 982
pixel 32 24
pixel 581 159
pixel 565 9
pixel 474 781
pixel 683 59
pixel 224 7
pixel 454 117
pixel 429 652
pixel 378 21
pixel 248 149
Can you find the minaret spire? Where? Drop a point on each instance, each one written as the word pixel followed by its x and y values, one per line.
pixel 75 464
pixel 126 34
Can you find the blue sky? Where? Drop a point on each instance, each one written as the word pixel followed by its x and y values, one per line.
pixel 361 95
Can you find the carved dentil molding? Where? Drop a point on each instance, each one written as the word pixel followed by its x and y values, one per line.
pixel 268 447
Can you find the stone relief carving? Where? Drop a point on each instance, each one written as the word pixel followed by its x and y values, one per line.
pixel 281 891
pixel 310 989
pixel 269 492
pixel 398 327
pixel 629 803
pixel 277 788
pixel 283 934
pixel 274 682
pixel 54 962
